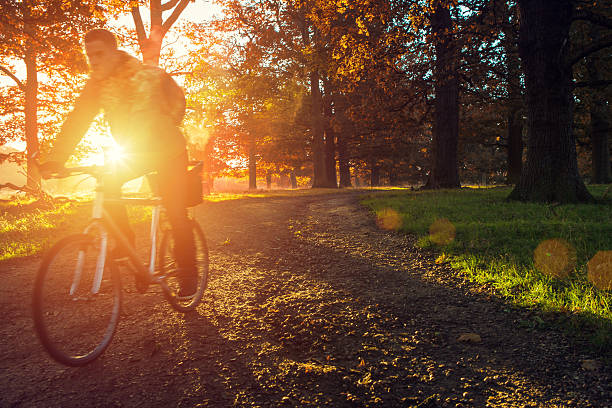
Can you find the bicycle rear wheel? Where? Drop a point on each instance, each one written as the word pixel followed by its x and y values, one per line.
pixel 74 318
pixel 168 268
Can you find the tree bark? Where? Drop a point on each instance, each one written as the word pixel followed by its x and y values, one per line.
pixel 342 141
pixel 374 174
pixel 252 165
pixel 316 125
pixel 31 119
pixel 319 178
pixel 330 144
pixel 444 168
pixel 269 180
pixel 343 162
pixel 151 46
pixel 515 104
pixel 293 179
pixel 551 171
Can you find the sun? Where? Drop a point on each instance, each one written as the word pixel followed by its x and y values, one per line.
pixel 96 142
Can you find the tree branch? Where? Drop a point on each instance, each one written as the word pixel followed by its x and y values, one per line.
pixel 593 18
pixel 140 30
pixel 174 16
pixel 13 77
pixel 604 42
pixel 169 4
pixel 593 84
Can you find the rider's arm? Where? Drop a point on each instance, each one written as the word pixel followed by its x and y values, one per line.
pixel 77 122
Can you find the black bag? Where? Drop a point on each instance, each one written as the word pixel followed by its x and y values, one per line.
pixel 194 186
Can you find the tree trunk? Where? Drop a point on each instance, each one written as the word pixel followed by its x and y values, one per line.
pixel 551 171
pixel 515 103
pixel 393 177
pixel 293 180
pixel 330 158
pixel 31 119
pixel 252 165
pixel 343 162
pixel 269 180
pixel 316 125
pixel 600 122
pixel 515 144
pixel 151 46
pixel 340 105
pixel 319 178
pixel 374 174
pixel 330 136
pixel 444 169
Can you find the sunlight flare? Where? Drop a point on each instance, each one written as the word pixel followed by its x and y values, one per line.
pixel 388 219
pixel 442 231
pixel 555 258
pixel 114 154
pixel 600 270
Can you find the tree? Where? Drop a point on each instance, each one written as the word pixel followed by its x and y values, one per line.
pixel 444 168
pixel 45 37
pixel 151 44
pixel 551 171
pixel 514 96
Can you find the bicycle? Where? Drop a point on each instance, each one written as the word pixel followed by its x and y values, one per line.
pixel 78 293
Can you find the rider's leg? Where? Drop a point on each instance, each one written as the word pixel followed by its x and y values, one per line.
pixel 173 187
pixel 118 213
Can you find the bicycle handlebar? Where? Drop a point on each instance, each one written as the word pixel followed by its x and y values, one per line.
pixel 97 171
pixel 94 171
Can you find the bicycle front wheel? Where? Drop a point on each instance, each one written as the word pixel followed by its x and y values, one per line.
pixel 77 298
pixel 171 283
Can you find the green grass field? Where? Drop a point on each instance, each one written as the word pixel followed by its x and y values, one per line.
pixel 28 227
pixel 495 242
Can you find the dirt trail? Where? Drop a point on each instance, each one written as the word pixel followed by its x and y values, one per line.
pixel 309 304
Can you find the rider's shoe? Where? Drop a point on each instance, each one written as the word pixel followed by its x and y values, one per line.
pixel 142 284
pixel 120 255
pixel 188 279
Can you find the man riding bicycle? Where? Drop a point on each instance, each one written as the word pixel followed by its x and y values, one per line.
pixel 144 108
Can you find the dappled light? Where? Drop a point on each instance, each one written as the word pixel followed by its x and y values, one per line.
pixel 330 203
pixel 555 258
pixel 600 270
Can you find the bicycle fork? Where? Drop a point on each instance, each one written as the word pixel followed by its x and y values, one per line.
pixel 101 258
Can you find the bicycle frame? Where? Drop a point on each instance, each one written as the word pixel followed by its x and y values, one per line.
pixel 101 218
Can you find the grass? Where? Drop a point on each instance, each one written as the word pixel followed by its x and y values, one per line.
pixel 493 242
pixel 27 227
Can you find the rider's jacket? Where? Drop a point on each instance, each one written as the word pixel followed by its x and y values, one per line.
pixel 141 103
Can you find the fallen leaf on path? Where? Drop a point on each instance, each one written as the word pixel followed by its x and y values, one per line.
pixel 469 338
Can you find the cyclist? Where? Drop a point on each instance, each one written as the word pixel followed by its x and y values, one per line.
pixel 144 108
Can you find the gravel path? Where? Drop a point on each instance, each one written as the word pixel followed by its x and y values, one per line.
pixel 309 304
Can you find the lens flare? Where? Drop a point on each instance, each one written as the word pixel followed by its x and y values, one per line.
pixel 442 231
pixel 600 270
pixel 555 258
pixel 114 153
pixel 388 219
